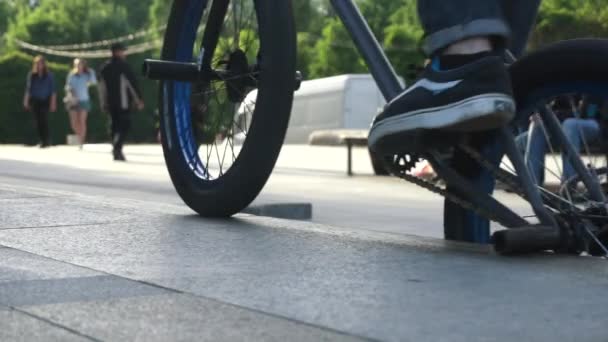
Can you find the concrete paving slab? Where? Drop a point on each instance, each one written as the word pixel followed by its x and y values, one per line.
pixel 17 265
pixel 65 290
pixel 35 211
pixel 385 290
pixel 179 317
pixel 28 279
pixel 16 326
pixel 6 193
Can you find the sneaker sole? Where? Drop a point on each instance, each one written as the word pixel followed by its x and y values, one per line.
pixel 478 113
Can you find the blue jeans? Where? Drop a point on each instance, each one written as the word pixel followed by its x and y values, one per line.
pixel 446 22
pixel 509 23
pixel 535 146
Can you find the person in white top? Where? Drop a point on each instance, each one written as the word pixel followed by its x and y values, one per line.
pixel 78 101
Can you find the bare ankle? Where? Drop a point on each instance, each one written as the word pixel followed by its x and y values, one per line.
pixel 469 46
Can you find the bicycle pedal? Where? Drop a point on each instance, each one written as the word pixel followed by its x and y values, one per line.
pixel 530 239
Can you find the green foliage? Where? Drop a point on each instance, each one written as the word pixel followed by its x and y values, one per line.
pixel 61 22
pixel 395 25
pixel 567 19
pixel 378 14
pixel 335 53
pixel 158 12
pixel 402 38
pixel 7 9
pixel 136 11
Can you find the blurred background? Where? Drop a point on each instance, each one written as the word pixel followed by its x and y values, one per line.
pixel 61 30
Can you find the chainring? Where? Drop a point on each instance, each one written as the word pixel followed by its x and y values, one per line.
pixel 400 164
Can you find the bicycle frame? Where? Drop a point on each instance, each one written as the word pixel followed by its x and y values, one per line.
pixel 390 87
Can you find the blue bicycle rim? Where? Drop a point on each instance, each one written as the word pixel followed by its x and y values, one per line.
pixel 182 90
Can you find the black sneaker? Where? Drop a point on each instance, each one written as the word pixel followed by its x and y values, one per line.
pixel 118 156
pixel 475 97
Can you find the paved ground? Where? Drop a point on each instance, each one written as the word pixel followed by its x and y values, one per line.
pixel 303 175
pixel 81 267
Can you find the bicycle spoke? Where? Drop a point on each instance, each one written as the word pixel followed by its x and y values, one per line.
pixel 602 246
pixel 222 123
pixel 231 142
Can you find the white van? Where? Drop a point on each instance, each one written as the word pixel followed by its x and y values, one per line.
pixel 339 102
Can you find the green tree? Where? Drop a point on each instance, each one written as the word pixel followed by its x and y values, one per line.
pixel 402 39
pixel 158 12
pixel 309 20
pixel 53 22
pixel 137 11
pixel 378 13
pixel 335 52
pixel 395 25
pixel 566 19
pixel 7 9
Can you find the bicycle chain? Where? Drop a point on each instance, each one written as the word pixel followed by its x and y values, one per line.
pixel 475 155
pixel 430 186
pixel 449 196
pixel 496 172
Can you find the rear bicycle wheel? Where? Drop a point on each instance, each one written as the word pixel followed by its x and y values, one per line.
pixel 576 95
pixel 222 135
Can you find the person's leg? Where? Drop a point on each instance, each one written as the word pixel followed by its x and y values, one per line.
pixel 82 125
pixel 465 225
pixel 451 22
pixel 460 39
pixel 578 132
pixel 536 150
pixel 44 123
pixel 36 108
pixel 114 130
pixel 74 121
pixel 466 87
pixel 520 16
pixel 123 126
pixel 447 23
pixel 41 109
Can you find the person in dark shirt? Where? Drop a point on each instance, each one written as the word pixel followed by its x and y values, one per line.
pixel 40 97
pixel 119 93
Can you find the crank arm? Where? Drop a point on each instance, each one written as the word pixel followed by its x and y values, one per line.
pixel 191 72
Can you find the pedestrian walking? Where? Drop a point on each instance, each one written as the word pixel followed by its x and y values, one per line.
pixel 40 97
pixel 77 100
pixel 119 93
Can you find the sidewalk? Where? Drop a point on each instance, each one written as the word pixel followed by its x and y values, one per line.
pixel 79 267
pixel 293 157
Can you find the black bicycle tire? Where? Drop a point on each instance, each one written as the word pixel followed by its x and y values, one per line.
pixel 240 185
pixel 560 63
pixel 568 65
pixel 576 59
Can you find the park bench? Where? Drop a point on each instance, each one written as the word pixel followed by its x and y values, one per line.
pixel 348 138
